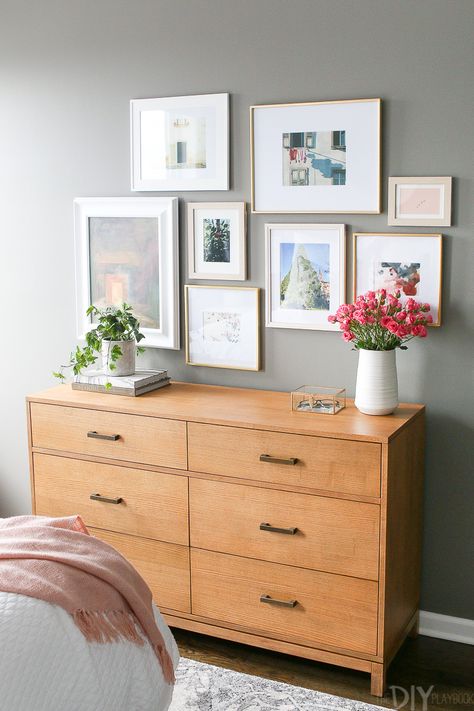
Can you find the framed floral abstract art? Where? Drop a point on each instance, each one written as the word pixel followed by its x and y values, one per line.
pixel 222 326
pixel 305 274
pixel 408 263
pixel 319 156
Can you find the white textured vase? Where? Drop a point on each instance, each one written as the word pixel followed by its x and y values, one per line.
pixel 377 384
pixel 125 365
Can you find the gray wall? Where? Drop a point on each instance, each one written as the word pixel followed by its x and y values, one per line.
pixel 67 72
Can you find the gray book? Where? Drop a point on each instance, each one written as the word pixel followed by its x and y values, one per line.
pixel 130 392
pixel 138 380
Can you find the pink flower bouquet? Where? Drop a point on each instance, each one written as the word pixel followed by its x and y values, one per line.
pixel 378 321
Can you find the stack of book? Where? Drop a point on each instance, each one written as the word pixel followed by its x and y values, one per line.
pixel 143 381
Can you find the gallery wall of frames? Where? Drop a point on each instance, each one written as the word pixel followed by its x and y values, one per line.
pixel 315 157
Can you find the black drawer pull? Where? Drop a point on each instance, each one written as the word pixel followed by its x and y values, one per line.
pixel 95 435
pixel 277 460
pixel 276 529
pixel 106 499
pixel 280 603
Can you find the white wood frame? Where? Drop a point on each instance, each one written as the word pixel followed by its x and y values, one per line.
pixel 241 274
pixel 165 210
pixel 341 229
pixel 180 181
pixel 443 181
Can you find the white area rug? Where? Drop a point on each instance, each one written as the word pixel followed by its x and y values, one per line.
pixel 202 687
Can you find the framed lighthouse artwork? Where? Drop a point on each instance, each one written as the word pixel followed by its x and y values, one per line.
pixel 305 274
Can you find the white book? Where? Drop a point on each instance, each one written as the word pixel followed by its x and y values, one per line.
pixel 138 380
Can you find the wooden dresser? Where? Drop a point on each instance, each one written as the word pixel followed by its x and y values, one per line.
pixel 289 531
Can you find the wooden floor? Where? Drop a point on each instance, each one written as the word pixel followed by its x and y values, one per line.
pixel 422 662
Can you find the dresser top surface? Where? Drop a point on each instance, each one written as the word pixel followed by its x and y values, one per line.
pixel 238 407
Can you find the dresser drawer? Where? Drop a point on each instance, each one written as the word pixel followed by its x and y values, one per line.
pixel 164 566
pixel 323 463
pixel 153 504
pixel 148 440
pixel 323 533
pixel 330 609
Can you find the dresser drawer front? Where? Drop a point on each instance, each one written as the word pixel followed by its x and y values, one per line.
pixel 330 610
pixel 333 465
pixel 333 535
pixel 148 440
pixel 164 566
pixel 153 504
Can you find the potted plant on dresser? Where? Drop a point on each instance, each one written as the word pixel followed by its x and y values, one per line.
pixel 115 338
pixel 377 324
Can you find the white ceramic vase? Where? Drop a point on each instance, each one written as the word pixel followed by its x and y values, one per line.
pixel 377 384
pixel 125 365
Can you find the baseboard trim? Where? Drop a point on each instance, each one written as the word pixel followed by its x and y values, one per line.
pixel 456 629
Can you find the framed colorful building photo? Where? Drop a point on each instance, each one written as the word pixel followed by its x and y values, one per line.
pixel 305 275
pixel 316 157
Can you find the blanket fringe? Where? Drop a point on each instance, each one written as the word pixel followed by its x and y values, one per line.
pixel 113 625
pixel 108 626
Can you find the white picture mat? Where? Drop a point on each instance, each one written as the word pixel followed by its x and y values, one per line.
pixel 242 301
pixel 360 120
pixel 372 249
pixel 165 210
pixel 420 215
pixel 227 268
pixel 147 147
pixel 276 235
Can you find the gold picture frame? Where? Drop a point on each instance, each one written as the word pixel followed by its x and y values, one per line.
pixel 348 198
pixel 361 285
pixel 420 202
pixel 219 332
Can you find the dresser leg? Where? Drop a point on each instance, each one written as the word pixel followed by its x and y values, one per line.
pixel 378 679
pixel 416 626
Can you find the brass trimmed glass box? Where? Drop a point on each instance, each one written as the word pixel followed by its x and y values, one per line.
pixel 318 399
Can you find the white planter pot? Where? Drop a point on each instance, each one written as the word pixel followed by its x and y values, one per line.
pixel 377 384
pixel 125 365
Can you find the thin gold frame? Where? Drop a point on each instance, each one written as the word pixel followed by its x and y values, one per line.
pixel 315 212
pixel 257 291
pixel 394 234
pixel 395 182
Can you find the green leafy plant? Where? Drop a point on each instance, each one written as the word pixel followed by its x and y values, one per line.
pixel 113 324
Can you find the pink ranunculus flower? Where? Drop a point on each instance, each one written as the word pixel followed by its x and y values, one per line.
pixel 332 319
pixel 385 320
pixel 419 330
pixel 348 336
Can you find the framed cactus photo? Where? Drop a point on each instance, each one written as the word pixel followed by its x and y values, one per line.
pixel 216 240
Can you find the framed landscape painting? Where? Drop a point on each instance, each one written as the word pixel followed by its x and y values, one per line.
pixel 127 251
pixel 419 201
pixel 305 275
pixel 216 240
pixel 222 326
pixel 180 143
pixel 409 263
pixel 316 157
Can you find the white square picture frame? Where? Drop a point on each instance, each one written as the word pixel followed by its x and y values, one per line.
pixel 180 143
pixel 316 157
pixel 419 202
pixel 217 241
pixel 127 250
pixel 223 326
pixel 305 274
pixel 410 263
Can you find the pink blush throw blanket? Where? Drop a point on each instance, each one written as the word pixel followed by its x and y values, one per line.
pixel 58 561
